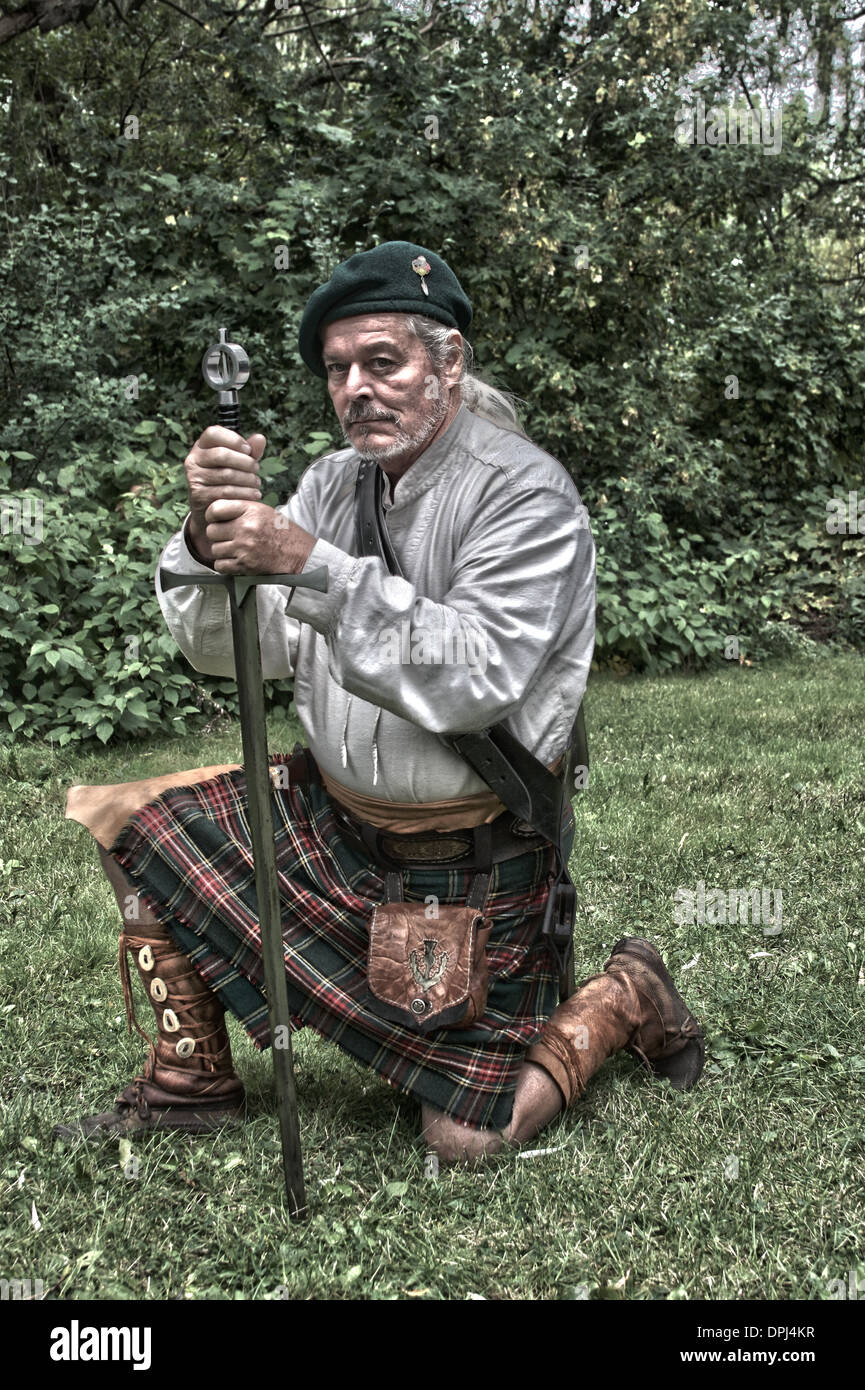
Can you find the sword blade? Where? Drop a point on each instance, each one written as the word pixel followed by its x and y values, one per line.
pixel 253 730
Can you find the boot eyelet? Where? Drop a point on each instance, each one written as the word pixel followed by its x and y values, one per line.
pixel 185 1047
pixel 170 1021
pixel 145 958
pixel 158 990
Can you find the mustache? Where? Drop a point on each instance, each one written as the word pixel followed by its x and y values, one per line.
pixel 358 415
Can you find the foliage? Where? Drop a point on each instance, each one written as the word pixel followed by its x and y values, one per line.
pixel 683 323
pixel 104 663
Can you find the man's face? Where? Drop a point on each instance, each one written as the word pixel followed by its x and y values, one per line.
pixel 383 387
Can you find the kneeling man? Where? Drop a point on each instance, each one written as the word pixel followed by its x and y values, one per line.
pixel 461 601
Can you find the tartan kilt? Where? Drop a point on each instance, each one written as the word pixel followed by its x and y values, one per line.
pixel 189 854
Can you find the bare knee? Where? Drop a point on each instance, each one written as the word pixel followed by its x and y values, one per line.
pixel 454 1142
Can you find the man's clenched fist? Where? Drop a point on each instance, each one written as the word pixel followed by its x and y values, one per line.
pixel 229 526
pixel 250 538
pixel 222 464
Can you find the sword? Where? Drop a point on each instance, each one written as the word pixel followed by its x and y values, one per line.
pixel 225 367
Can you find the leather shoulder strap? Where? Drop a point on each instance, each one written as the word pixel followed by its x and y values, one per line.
pixel 370 531
pixel 520 780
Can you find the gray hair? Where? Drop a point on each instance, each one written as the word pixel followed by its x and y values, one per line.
pixel 499 407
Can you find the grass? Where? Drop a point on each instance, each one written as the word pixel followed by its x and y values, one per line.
pixel 748 1187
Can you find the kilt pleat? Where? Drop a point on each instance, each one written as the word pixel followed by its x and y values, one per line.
pixel 189 854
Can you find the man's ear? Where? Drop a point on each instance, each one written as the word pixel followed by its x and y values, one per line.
pixel 453 370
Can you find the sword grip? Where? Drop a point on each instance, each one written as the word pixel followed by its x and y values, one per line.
pixel 229 412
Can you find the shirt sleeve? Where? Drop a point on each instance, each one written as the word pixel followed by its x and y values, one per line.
pixel 199 619
pixel 467 662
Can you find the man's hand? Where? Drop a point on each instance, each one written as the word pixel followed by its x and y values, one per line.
pixel 250 538
pixel 221 465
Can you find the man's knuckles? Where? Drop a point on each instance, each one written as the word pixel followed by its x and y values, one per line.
pixel 217 461
pixel 218 437
pixel 237 488
pixel 254 519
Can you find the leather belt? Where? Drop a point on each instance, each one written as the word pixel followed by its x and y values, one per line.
pixel 460 849
pixel 476 848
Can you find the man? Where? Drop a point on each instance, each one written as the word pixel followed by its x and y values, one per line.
pixel 478 610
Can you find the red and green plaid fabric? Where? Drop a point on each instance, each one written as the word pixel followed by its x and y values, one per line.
pixel 189 854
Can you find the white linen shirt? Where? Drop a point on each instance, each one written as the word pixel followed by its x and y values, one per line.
pixel 494 620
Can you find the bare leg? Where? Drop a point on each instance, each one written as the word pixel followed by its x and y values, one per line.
pixel 537 1101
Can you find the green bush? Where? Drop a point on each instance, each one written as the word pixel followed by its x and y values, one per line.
pixel 682 323
pixel 670 597
pixel 86 653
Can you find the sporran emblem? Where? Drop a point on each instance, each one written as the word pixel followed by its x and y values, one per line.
pixel 433 966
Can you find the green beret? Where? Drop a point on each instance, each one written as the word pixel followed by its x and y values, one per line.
pixel 396 277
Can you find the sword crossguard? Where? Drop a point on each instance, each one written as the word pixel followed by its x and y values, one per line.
pixel 242 583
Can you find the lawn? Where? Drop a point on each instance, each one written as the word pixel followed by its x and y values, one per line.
pixel 749 1187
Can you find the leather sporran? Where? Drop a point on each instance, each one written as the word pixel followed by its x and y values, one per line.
pixel 428 972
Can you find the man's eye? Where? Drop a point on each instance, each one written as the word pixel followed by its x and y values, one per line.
pixel 383 362
pixel 333 367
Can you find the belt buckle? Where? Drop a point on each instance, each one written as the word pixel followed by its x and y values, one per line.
pixel 445 851
pixel 397 850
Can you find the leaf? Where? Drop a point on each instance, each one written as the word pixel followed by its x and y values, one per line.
pixel 333 132
pixel 271 467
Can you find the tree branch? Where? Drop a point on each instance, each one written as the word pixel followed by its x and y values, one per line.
pixel 185 13
pixel 319 47
pixel 44 14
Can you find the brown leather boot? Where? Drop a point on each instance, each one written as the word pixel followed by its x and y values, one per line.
pixel 188 1082
pixel 634 1005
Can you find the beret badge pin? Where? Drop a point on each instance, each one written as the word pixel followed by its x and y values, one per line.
pixel 421 266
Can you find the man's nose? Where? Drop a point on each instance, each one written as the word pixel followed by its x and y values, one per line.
pixel 357 383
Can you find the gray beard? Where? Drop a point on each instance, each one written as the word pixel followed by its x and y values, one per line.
pixel 404 442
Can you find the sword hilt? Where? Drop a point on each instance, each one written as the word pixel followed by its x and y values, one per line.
pixel 225 368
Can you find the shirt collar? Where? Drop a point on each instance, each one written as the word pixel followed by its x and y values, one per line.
pixel 428 465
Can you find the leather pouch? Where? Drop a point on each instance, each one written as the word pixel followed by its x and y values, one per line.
pixel 427 972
